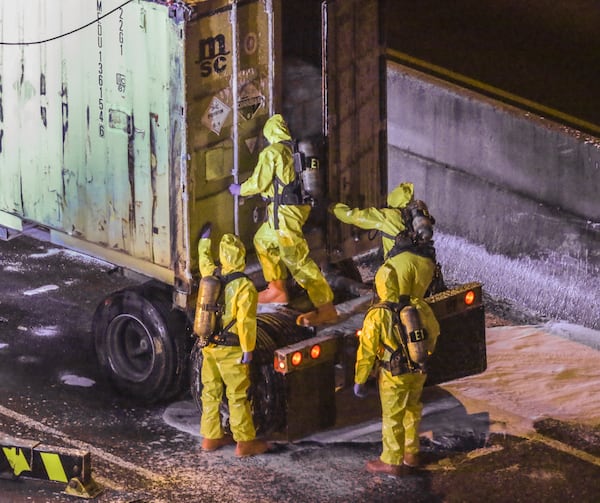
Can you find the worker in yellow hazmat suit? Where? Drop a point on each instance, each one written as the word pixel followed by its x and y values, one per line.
pixel 226 359
pixel 414 262
pixel 388 220
pixel 400 393
pixel 279 242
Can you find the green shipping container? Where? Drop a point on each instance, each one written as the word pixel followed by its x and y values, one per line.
pixel 117 128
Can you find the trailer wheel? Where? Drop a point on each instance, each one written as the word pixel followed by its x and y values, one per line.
pixel 266 399
pixel 267 392
pixel 139 342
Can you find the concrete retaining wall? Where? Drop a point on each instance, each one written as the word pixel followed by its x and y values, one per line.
pixel 495 175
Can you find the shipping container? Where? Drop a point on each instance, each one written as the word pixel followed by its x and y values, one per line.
pixel 122 124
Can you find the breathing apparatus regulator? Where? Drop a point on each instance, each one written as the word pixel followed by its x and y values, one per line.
pixel 208 309
pixel 421 221
pixel 418 233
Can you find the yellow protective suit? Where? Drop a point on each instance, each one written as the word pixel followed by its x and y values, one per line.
pixel 221 365
pixel 414 272
pixel 400 395
pixel 386 220
pixel 285 248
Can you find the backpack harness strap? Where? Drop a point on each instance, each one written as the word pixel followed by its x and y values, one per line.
pixel 399 362
pixel 291 193
pixel 224 337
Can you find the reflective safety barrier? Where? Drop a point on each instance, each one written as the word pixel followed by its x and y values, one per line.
pixel 31 459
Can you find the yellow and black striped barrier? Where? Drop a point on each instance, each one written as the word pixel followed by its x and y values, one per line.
pixel 27 458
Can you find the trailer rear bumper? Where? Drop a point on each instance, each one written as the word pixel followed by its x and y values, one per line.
pixel 311 386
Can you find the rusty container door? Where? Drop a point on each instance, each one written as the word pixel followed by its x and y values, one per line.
pixel 354 114
pixel 230 77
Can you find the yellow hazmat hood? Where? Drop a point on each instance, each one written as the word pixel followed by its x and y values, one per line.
pixel 232 254
pixel 386 284
pixel 401 195
pixel 276 129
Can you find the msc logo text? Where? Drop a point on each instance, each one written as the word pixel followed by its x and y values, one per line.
pixel 212 55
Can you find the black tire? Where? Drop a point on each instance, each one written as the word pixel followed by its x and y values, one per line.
pixel 266 393
pixel 196 359
pixel 140 343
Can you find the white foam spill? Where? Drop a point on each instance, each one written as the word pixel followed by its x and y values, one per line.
pixel 41 289
pixel 47 331
pixel 74 380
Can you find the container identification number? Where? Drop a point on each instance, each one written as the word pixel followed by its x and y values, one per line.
pixel 100 73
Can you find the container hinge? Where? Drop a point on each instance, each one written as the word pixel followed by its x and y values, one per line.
pixel 179 12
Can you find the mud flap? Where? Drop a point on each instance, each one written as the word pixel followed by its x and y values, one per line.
pixel 460 349
pixel 308 370
pixel 309 400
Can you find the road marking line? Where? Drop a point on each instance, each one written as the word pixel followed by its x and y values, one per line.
pixel 106 456
pixel 560 446
pixel 402 57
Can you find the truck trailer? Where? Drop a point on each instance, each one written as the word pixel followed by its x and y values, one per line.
pixel 122 124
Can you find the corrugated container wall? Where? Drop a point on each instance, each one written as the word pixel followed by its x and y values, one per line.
pixel 116 123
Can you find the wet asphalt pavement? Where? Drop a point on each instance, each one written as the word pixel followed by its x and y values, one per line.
pixel 52 392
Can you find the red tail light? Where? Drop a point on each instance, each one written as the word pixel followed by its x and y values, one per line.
pixel 296 358
pixel 469 297
pixel 315 351
pixel 305 354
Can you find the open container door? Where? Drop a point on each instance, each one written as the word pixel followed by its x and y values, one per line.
pixel 354 114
